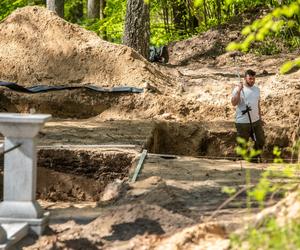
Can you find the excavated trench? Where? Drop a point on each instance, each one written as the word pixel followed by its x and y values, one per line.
pixel 76 103
pixel 79 174
pixel 194 139
pixel 82 174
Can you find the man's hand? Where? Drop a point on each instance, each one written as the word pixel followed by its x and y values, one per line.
pixel 236 99
pixel 240 87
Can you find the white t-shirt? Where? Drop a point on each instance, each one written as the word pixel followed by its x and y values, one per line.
pixel 250 97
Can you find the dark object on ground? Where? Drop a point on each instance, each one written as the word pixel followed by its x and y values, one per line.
pixel 45 88
pixel 235 54
pixel 159 54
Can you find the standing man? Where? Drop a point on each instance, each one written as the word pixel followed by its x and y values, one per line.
pixel 247 98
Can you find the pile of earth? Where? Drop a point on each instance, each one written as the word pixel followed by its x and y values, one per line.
pixel 114 229
pixel 143 223
pixel 38 47
pixel 212 43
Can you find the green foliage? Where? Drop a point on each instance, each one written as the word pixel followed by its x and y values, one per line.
pixel 246 150
pixel 228 190
pixel 287 66
pixel 7 6
pixel 281 24
pixel 113 24
pixel 277 154
pixel 268 47
pixel 269 235
pixel 262 189
pixel 74 10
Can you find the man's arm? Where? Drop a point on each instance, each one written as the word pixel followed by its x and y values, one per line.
pixel 235 99
pixel 259 112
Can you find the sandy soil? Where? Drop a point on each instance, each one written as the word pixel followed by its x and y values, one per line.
pixel 184 110
pixel 39 47
pixel 173 202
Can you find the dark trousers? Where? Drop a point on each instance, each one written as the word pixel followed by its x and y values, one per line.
pixel 244 131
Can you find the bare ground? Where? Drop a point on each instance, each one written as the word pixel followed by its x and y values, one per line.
pixel 185 110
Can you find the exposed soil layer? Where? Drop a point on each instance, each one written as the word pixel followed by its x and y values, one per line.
pixel 80 174
pixel 94 132
pixel 63 104
pixel 170 194
pixel 195 138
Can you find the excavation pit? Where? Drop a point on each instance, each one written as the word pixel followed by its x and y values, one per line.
pixel 72 172
pixel 73 166
pixel 194 139
pixel 80 174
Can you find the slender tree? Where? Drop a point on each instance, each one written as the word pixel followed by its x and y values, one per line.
pixel 219 11
pixel 179 16
pixel 137 26
pixel 56 6
pixel 93 8
pixel 101 9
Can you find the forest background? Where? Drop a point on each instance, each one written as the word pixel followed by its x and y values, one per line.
pixel 173 20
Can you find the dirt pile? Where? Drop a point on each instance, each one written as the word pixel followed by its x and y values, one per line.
pixel 116 228
pixel 126 221
pixel 210 44
pixel 202 237
pixel 38 47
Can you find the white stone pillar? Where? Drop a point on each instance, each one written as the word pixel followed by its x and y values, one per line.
pixel 20 166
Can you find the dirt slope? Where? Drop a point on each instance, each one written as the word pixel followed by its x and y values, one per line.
pixel 38 47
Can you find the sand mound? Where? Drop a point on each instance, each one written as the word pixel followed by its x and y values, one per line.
pixel 124 222
pixel 37 47
pixel 210 43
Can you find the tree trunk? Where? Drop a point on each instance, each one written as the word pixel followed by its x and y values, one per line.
pixel 165 11
pixel 93 8
pixel 103 33
pixel 56 6
pixel 102 7
pixel 219 14
pixel 192 18
pixel 205 12
pixel 137 26
pixel 179 13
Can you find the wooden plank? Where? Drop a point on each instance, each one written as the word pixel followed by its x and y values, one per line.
pixel 139 165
